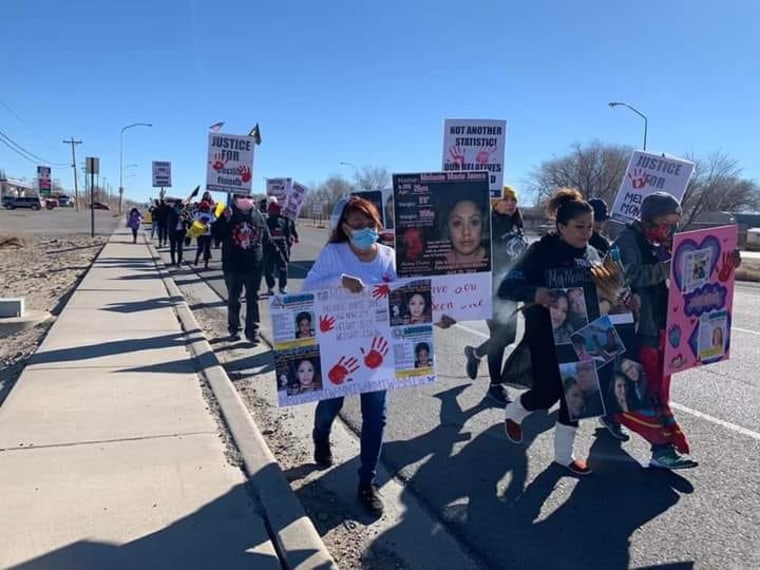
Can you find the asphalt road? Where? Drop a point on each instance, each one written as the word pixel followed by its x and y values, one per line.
pixel 59 221
pixel 511 507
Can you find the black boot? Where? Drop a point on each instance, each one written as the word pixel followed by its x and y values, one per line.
pixel 322 454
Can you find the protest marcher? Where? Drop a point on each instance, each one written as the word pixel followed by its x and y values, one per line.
pixel 601 218
pixel 133 223
pixel 178 221
pixel 567 247
pixel 153 223
pixel 162 221
pixel 508 243
pixel 245 236
pixel 353 259
pixel 277 254
pixel 645 250
pixel 204 216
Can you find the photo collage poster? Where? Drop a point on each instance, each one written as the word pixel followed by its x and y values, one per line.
pixel 597 352
pixel 700 298
pixel 442 223
pixel 335 343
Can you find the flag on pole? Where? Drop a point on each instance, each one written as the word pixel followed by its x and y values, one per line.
pixel 192 195
pixel 216 127
pixel 256 134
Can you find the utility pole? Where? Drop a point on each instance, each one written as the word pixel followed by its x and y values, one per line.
pixel 73 144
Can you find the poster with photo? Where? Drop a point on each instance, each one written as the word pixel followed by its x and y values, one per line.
pixel 700 298
pixel 279 188
pixel 648 173
pixel 334 343
pixel 592 347
pixel 294 200
pixel 442 231
pixel 229 167
pixel 476 144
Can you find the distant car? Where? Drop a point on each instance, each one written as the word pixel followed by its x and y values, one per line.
pixel 100 206
pixel 65 201
pixel 31 202
pixel 51 203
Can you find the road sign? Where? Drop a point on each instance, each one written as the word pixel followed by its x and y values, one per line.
pixel 93 165
pixel 162 174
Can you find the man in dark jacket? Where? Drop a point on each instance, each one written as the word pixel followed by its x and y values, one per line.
pixel 245 236
pixel 601 218
pixel 277 254
pixel 161 215
pixel 177 222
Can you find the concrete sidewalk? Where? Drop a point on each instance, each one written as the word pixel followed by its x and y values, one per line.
pixel 109 457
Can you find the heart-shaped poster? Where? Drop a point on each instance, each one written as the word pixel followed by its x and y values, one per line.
pixel 710 245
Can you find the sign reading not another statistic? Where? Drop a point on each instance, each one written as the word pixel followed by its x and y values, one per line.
pixel 476 144
pixel 230 163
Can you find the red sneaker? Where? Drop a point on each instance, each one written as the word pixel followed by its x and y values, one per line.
pixel 578 467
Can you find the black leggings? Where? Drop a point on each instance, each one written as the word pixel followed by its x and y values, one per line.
pixel 134 235
pixel 547 383
pixel 176 244
pixel 502 335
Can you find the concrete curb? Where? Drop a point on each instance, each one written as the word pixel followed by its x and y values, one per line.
pixel 295 537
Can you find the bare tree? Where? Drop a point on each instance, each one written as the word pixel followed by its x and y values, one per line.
pixel 717 186
pixel 372 178
pixel 595 170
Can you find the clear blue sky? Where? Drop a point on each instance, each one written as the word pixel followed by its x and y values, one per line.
pixel 371 82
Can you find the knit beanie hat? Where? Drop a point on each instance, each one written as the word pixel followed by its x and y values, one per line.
pixel 659 204
pixel 509 192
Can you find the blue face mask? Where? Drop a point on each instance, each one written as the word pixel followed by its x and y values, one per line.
pixel 364 238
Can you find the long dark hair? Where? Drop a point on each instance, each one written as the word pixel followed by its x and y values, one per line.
pixel 363 207
pixel 566 204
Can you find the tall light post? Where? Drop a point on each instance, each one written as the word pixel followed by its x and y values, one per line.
pixel 121 157
pixel 635 110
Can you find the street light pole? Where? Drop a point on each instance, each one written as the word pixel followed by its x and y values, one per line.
pixel 635 110
pixel 121 158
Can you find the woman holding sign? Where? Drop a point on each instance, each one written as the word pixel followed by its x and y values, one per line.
pixel 353 259
pixel 568 247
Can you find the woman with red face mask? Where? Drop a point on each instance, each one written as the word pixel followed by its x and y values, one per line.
pixel 645 250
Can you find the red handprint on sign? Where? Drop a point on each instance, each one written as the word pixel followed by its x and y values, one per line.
pixel 484 155
pixel 457 157
pixel 326 323
pixel 638 178
pixel 727 267
pixel 343 369
pixel 381 291
pixel 377 353
pixel 219 162
pixel 244 172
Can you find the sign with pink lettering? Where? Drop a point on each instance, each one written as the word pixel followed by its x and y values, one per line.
pixel 701 298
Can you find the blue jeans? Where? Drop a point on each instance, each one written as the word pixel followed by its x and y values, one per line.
pixel 373 425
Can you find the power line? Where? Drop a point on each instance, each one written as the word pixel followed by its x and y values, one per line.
pixel 9 142
pixel 23 122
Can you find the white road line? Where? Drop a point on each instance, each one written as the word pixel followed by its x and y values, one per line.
pixel 728 425
pixel 748 331
pixel 718 421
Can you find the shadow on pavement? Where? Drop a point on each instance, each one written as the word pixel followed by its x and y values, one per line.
pixel 215 536
pixel 111 348
pixel 138 306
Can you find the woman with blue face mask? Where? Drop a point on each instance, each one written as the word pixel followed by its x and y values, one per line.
pixel 353 259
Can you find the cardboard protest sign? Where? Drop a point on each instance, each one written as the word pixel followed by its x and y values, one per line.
pixel 279 188
pixel 294 200
pixel 162 174
pixel 648 173
pixel 443 231
pixel 700 300
pixel 597 354
pixel 230 163
pixel 334 343
pixel 476 144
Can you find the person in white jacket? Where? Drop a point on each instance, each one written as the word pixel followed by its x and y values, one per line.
pixel 354 259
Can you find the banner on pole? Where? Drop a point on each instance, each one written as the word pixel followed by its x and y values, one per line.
pixel 162 174
pixel 230 163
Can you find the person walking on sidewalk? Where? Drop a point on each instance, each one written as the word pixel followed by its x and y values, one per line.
pixel 354 260
pixel 567 247
pixel 245 236
pixel 508 244
pixel 177 221
pixel 162 222
pixel 277 254
pixel 133 223
pixel 206 217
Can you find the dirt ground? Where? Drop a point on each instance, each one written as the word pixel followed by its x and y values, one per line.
pixel 44 269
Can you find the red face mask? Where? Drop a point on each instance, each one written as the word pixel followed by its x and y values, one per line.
pixel 659 233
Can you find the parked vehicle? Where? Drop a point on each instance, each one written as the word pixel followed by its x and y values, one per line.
pixel 65 201
pixel 51 203
pixel 31 202
pixel 100 206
